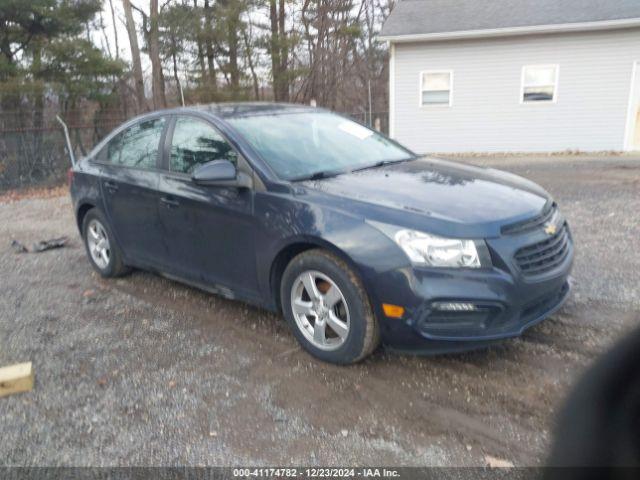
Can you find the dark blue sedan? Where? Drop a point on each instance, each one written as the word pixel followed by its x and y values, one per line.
pixel 354 238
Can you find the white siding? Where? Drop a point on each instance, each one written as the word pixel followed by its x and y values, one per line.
pixel 486 115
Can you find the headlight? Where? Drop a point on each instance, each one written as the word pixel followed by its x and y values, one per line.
pixel 433 251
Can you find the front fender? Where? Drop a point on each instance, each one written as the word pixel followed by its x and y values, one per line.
pixel 286 222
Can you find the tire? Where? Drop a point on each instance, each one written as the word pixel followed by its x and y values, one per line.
pixel 319 319
pixel 108 264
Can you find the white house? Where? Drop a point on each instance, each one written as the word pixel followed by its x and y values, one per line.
pixel 514 75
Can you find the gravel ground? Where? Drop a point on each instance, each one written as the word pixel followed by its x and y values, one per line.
pixel 145 371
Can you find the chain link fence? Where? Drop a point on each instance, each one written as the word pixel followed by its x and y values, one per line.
pixel 33 150
pixel 32 146
pixel 376 120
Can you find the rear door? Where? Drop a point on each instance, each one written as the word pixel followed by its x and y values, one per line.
pixel 208 230
pixel 131 162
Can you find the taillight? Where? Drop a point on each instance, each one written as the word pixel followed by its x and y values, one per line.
pixel 70 176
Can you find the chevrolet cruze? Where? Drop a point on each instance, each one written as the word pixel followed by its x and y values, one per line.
pixel 354 238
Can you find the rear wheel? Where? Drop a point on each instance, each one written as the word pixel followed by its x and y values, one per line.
pixel 327 308
pixel 101 248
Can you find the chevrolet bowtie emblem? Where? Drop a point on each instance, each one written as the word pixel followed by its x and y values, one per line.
pixel 550 229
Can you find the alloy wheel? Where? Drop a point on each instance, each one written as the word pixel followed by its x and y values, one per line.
pixel 320 310
pixel 98 243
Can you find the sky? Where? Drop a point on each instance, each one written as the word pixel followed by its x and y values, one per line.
pixel 123 39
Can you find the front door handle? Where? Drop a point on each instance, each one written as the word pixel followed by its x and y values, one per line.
pixel 111 186
pixel 170 202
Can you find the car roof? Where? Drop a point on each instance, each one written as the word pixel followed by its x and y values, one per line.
pixel 230 110
pixel 248 109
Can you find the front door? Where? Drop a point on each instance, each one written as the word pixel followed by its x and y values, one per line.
pixel 207 229
pixel 130 179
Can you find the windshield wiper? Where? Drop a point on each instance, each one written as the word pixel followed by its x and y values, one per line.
pixel 322 174
pixel 319 175
pixel 382 163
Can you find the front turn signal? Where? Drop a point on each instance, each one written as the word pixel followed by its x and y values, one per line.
pixel 393 311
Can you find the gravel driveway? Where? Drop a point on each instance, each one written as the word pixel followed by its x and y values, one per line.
pixel 145 371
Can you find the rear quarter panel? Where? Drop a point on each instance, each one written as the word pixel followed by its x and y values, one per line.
pixel 85 188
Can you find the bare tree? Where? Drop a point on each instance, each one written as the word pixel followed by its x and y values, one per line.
pixel 115 29
pixel 157 76
pixel 279 50
pixel 233 26
pixel 135 55
pixel 251 64
pixel 208 41
pixel 199 42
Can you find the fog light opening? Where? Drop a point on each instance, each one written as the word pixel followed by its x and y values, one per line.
pixel 454 307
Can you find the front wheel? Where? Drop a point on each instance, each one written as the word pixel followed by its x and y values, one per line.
pixel 327 308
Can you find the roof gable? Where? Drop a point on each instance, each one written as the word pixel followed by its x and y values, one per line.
pixel 446 18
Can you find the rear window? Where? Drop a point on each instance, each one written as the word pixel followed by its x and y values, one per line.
pixel 137 146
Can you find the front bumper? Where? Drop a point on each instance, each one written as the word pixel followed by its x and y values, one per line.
pixel 505 301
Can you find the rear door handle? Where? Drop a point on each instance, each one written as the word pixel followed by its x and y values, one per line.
pixel 111 186
pixel 170 202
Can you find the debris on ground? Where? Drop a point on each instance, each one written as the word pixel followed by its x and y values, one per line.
pixel 18 247
pixel 493 462
pixel 43 245
pixel 40 246
pixel 16 378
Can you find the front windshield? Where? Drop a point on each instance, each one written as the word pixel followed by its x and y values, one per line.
pixel 301 145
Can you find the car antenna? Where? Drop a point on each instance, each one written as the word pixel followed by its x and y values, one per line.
pixel 67 139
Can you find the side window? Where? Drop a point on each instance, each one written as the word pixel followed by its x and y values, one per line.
pixel 194 143
pixel 138 145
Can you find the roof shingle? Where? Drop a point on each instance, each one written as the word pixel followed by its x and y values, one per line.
pixel 416 17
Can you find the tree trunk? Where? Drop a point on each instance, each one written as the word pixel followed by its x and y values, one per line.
pixel 38 114
pixel 252 69
pixel 284 54
pixel 157 77
pixel 135 56
pixel 233 25
pixel 208 29
pixel 274 47
pixel 174 48
pixel 200 48
pixel 38 120
pixel 115 29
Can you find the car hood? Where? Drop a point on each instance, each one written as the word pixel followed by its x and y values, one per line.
pixel 445 192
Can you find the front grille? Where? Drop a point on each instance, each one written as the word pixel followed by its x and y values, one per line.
pixel 544 256
pixel 532 223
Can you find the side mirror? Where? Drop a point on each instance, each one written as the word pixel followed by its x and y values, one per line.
pixel 221 173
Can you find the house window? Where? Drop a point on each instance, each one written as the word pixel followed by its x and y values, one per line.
pixel 539 83
pixel 435 88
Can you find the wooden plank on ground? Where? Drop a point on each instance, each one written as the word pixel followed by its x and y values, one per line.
pixel 16 378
